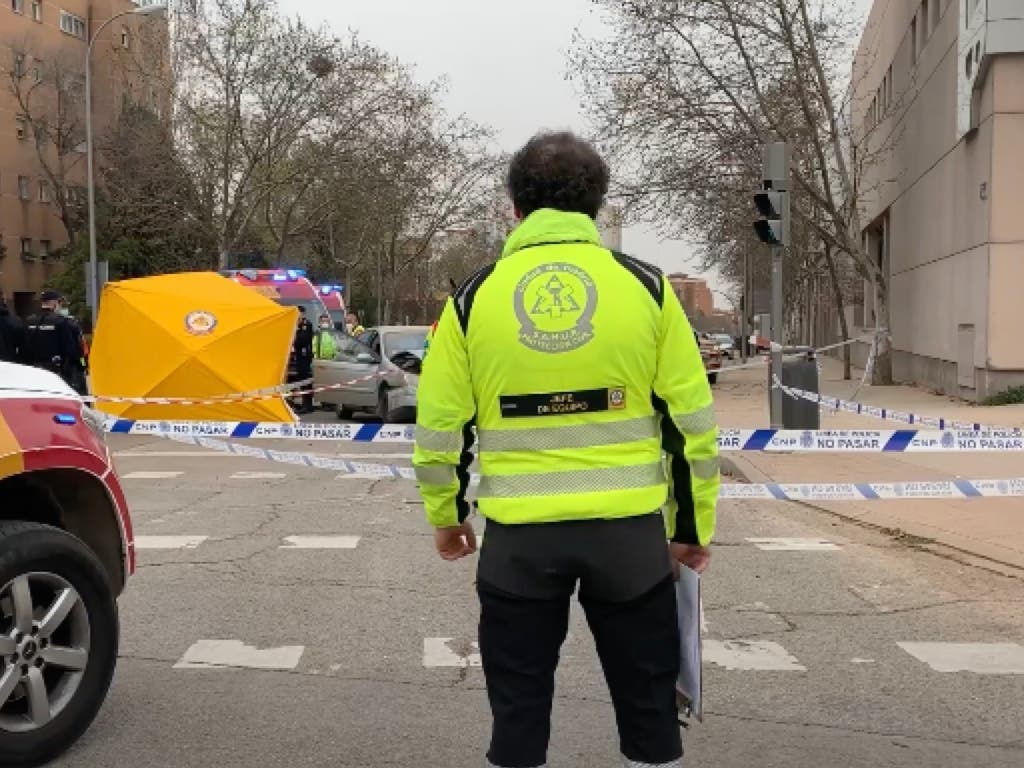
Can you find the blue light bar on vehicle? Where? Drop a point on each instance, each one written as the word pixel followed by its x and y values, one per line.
pixel 67 419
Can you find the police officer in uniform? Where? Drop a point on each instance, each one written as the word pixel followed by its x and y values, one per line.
pixel 577 367
pixel 51 341
pixel 302 357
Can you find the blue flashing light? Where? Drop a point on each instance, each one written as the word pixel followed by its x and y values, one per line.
pixel 280 278
pixel 67 419
pixel 326 289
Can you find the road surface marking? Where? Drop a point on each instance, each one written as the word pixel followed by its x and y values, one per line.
pixel 442 652
pixel 320 542
pixel 151 475
pixel 169 542
pixel 862 661
pixel 169 454
pixel 258 476
pixel 979 658
pixel 231 654
pixel 751 655
pixel 793 545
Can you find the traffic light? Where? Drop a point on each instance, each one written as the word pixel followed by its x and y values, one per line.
pixel 771 205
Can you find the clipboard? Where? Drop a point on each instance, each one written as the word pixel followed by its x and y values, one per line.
pixel 690 685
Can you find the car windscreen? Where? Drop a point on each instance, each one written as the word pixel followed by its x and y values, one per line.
pixel 405 341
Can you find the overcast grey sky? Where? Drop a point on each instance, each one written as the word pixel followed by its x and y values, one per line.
pixel 505 64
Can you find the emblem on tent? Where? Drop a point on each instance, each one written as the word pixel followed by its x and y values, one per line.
pixel 200 323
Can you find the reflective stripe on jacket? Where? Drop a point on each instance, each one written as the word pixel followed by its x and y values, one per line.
pixel 578 368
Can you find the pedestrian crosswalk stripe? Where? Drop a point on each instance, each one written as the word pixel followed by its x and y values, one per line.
pixel 169 542
pixel 979 658
pixel 320 542
pixel 793 545
pixel 258 476
pixel 151 475
pixel 750 656
pixel 233 654
pixel 443 652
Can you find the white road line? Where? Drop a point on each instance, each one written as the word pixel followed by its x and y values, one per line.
pixel 234 654
pixel 320 542
pixel 439 652
pixel 979 658
pixel 258 476
pixel 169 542
pixel 751 655
pixel 168 455
pixel 793 545
pixel 151 475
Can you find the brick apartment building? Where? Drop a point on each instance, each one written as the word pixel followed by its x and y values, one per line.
pixel 694 294
pixel 43 46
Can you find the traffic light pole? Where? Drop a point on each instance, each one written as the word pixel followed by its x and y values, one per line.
pixel 776 176
pixel 776 393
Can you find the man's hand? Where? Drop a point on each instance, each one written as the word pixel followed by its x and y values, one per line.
pixel 692 556
pixel 456 542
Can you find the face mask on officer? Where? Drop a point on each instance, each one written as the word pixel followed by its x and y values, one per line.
pixel 64 312
pixel 325 324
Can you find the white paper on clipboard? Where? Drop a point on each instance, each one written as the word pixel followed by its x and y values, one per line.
pixel 689 686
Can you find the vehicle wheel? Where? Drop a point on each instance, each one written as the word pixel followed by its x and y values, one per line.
pixel 712 379
pixel 58 641
pixel 382 411
pixel 343 413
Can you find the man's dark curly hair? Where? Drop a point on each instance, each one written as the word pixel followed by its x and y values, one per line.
pixel 560 171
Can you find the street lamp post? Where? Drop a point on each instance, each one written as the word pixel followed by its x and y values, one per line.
pixel 90 183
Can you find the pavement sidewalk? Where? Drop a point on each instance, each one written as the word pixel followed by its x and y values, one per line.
pixel 991 529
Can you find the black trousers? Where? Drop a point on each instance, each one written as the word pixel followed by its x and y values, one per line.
pixel 637 641
pixel 304 371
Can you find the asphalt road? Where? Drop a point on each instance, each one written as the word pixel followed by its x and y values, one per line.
pixel 315 626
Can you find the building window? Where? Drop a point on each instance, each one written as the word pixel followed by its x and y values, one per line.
pixel 22 128
pixel 23 188
pixel 44 192
pixel 126 39
pixel 26 246
pixel 72 25
pixel 18 6
pixel 19 65
pixel 37 11
pixel 44 249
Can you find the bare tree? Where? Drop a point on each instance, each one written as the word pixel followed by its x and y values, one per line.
pixel 687 91
pixel 260 99
pixel 48 88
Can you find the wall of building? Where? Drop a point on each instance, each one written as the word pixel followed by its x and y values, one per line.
pixel 945 201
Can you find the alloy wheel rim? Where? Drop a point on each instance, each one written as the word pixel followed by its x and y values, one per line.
pixel 44 649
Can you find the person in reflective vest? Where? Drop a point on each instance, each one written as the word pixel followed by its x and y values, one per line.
pixel 574 368
pixel 324 346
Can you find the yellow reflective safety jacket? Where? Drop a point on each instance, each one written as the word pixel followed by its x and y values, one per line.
pixel 580 372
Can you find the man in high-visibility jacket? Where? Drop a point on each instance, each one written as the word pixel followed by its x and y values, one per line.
pixel 324 346
pixel 578 368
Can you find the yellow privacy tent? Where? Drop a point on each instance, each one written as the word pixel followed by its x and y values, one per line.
pixel 194 335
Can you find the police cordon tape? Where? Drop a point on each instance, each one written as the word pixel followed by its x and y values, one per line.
pixel 907 491
pixel 888 414
pixel 760 440
pixel 288 390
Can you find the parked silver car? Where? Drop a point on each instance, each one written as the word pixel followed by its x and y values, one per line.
pixel 379 371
